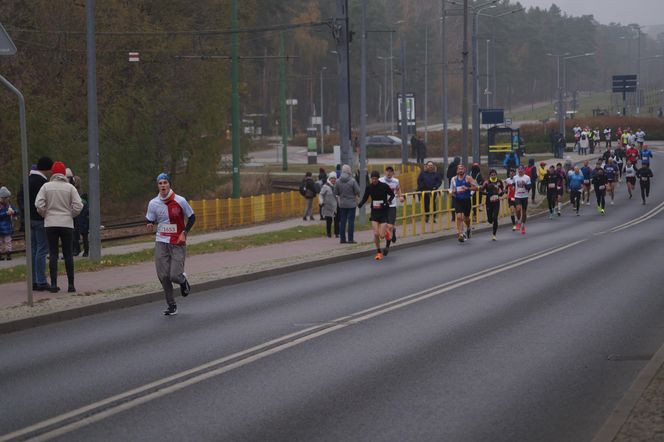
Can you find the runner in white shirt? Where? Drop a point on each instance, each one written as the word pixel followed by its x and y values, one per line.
pixel 392 211
pixel 167 214
pixel 521 192
pixel 640 137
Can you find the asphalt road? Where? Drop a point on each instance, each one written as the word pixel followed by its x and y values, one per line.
pixel 533 337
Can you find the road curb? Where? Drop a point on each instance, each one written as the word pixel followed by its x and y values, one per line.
pixel 621 412
pixel 144 298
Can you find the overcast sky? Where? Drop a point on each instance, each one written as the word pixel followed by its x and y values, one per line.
pixel 643 12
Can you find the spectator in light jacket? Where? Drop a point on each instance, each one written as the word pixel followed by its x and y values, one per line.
pixel 328 205
pixel 58 202
pixel 347 191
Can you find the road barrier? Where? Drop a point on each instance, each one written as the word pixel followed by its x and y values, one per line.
pixel 431 211
pixel 216 214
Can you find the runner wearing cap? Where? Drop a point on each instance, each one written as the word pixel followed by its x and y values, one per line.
pixel 381 197
pixel 167 214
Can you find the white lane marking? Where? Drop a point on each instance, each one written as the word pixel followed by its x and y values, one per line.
pixel 89 416
pixel 656 211
pixel 639 219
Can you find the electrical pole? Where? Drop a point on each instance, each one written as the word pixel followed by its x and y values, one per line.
pixel 94 196
pixel 342 36
pixel 363 110
pixel 404 107
pixel 445 101
pixel 426 83
pixel 464 101
pixel 322 124
pixel 391 98
pixel 235 103
pixel 282 103
pixel 476 79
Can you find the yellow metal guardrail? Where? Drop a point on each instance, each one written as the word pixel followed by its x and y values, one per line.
pixel 224 213
pixel 436 207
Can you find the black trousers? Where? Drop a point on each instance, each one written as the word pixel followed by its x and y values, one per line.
pixel 599 194
pixel 492 214
pixel 551 196
pixel 65 236
pixel 427 201
pixel 328 225
pixel 645 190
pixel 575 199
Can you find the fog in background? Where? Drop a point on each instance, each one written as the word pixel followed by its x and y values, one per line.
pixel 643 12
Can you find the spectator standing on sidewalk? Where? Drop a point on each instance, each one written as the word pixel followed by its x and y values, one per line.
pixel 429 180
pixel 308 191
pixel 328 205
pixel 347 191
pixel 39 246
pixel 58 202
pixel 7 215
pixel 421 151
pixel 167 214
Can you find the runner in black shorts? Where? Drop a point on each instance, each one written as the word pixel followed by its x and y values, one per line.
pixel 493 189
pixel 390 230
pixel 509 182
pixel 381 196
pixel 460 187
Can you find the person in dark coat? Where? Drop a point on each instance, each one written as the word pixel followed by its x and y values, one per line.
pixel 39 245
pixel 428 180
pixel 308 191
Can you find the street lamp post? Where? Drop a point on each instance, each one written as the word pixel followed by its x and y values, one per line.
pixel 561 111
pixel 322 124
pixel 564 86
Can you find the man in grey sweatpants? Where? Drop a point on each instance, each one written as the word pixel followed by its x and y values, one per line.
pixel 171 217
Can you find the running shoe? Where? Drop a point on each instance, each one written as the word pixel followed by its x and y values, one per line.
pixel 386 250
pixel 523 229
pixel 468 233
pixel 559 213
pixel 602 212
pixel 493 237
pixel 379 256
pixel 461 238
pixel 599 209
pixel 394 235
pixel 518 226
pixel 172 310
pixel 550 215
pixel 513 228
pixel 612 202
pixel 578 214
pixel 185 288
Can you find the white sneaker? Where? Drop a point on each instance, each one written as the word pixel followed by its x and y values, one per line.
pixel 612 203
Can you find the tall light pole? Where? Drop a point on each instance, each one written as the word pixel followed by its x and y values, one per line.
pixel 564 86
pixel 443 21
pixel 561 114
pixel 93 135
pixel 322 123
pixel 235 102
pixel 476 79
pixel 363 107
pixel 638 67
pixel 426 82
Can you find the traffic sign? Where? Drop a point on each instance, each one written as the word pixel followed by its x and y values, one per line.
pixel 624 83
pixel 7 46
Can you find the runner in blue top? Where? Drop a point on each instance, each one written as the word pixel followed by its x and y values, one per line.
pixel 460 187
pixel 646 155
pixel 611 173
pixel 587 176
pixel 575 180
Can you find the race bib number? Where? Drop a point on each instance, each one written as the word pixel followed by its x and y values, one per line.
pixel 461 189
pixel 643 178
pixel 586 181
pixel 494 198
pixel 552 186
pixel 602 187
pixel 377 204
pixel 166 229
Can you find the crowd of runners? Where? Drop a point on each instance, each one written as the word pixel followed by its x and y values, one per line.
pixel 171 218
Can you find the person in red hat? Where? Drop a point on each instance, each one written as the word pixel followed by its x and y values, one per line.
pixel 58 202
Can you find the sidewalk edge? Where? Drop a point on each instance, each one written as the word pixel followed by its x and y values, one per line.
pixel 621 412
pixel 144 298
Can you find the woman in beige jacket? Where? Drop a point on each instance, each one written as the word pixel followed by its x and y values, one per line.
pixel 58 202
